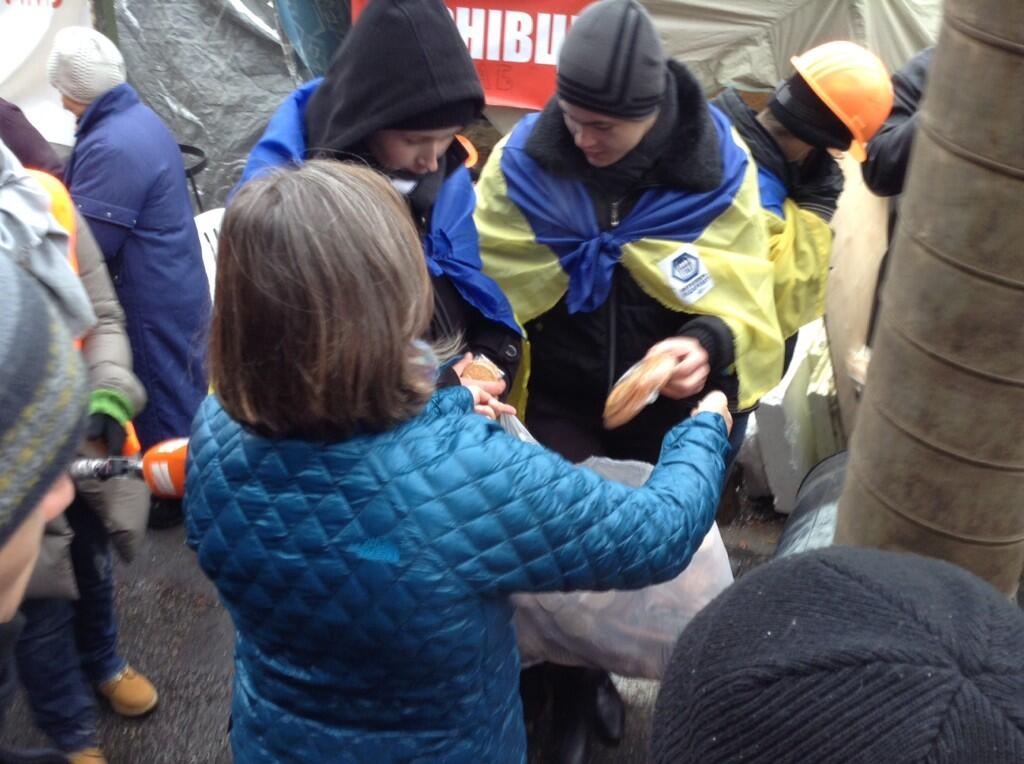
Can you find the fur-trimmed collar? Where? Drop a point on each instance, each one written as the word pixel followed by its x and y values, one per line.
pixel 692 161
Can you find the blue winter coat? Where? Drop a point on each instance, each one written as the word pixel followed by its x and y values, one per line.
pixel 127 177
pixel 368 579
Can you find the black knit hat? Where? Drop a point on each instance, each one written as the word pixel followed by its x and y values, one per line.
pixel 805 115
pixel 43 393
pixel 847 656
pixel 612 62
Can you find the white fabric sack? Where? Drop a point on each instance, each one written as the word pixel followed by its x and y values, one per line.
pixel 630 633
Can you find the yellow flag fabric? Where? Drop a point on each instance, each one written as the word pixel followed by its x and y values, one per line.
pixel 801 247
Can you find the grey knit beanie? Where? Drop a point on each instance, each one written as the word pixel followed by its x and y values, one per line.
pixel 612 61
pixel 43 392
pixel 847 656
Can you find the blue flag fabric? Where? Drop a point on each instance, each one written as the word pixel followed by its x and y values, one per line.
pixel 452 248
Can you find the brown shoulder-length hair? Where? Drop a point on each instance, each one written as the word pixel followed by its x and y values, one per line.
pixel 321 291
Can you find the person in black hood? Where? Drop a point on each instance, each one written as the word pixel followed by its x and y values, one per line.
pixel 398 91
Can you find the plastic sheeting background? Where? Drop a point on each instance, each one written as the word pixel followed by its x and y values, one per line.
pixel 215 70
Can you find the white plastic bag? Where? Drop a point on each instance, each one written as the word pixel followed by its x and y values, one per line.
pixel 630 633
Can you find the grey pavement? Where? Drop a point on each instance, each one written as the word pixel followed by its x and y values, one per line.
pixel 174 631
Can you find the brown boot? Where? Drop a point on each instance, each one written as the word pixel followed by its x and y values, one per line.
pixel 87 756
pixel 129 693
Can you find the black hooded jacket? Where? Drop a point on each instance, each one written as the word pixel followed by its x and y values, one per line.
pixel 889 150
pixel 405 58
pixel 576 358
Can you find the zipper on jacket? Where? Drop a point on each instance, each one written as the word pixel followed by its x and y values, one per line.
pixel 612 329
pixel 443 326
pixel 613 219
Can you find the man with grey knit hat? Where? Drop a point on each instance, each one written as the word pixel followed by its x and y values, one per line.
pixel 622 222
pixel 847 656
pixel 43 394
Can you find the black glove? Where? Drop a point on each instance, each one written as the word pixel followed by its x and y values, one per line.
pixel 815 186
pixel 105 428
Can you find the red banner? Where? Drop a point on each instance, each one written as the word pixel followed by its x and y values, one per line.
pixel 515 49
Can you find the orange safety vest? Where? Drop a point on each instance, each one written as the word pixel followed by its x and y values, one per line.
pixel 63 209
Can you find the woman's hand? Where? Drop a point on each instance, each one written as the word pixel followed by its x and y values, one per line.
pixel 488 405
pixel 495 387
pixel 716 403
pixel 692 366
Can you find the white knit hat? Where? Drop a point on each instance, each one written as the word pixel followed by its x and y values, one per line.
pixel 84 64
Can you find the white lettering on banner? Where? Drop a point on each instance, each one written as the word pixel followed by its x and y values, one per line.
pixel 686 274
pixel 514 37
pixel 518 45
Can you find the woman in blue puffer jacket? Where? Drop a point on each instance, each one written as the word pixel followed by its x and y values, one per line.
pixel 365 531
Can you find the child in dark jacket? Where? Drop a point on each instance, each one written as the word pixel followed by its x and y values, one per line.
pixel 364 530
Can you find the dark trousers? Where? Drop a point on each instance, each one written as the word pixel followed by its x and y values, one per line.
pixel 68 648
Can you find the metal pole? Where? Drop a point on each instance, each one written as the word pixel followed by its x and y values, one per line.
pixel 937 458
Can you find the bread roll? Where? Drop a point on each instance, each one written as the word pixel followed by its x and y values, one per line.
pixel 483 369
pixel 636 389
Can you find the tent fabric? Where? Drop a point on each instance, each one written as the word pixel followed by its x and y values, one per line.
pixel 748 43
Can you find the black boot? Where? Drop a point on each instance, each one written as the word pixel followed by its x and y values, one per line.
pixel 535 694
pixel 164 513
pixel 555 712
pixel 571 716
pixel 609 710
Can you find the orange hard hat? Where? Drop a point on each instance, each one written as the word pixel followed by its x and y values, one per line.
pixel 854 83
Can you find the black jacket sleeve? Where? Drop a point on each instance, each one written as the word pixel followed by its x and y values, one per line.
pixel 889 151
pixel 498 343
pixel 816 185
pixel 454 316
pixel 716 338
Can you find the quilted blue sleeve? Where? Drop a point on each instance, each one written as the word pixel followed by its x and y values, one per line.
pixel 561 527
